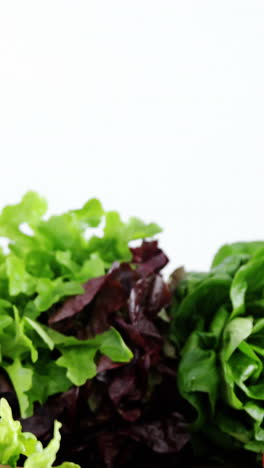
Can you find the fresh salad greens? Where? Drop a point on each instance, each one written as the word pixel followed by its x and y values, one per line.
pixel 14 443
pixel 127 414
pixel 84 320
pixel 48 260
pixel 218 329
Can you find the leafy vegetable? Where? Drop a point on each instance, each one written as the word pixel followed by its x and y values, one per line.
pixel 48 260
pixel 127 414
pixel 14 443
pixel 81 337
pixel 218 329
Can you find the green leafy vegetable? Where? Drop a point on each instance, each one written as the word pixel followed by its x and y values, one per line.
pixel 83 352
pixel 14 443
pixel 218 329
pixel 48 260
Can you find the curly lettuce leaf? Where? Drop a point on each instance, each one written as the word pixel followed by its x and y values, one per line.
pixel 14 443
pixel 49 259
pixel 79 357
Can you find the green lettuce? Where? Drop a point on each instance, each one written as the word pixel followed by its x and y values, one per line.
pixel 49 259
pixel 218 330
pixel 14 443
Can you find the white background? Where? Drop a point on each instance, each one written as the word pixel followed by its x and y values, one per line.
pixel 155 107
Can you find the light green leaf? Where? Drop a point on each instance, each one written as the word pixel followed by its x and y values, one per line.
pixel 113 346
pixel 19 280
pixel 51 291
pixel 21 378
pixel 235 332
pixel 13 442
pixel 78 357
pixel 91 268
pixel 46 457
pixel 30 210
pixel 39 329
pixel 79 363
pixel 90 214
pixel 17 343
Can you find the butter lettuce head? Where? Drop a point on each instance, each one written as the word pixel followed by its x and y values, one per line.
pixel 218 330
pixel 14 443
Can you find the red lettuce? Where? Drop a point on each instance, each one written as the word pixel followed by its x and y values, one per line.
pixel 129 413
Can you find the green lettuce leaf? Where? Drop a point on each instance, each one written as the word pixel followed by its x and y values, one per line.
pixel 48 260
pixel 14 443
pixel 218 328
pixel 79 357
